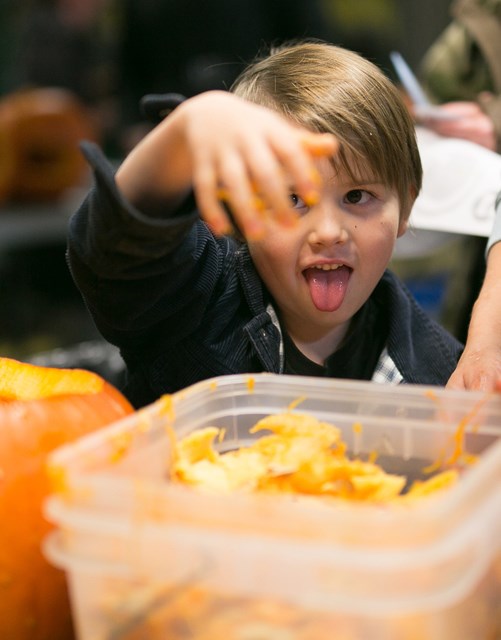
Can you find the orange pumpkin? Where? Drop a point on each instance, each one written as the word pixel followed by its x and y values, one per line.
pixel 40 409
pixel 40 130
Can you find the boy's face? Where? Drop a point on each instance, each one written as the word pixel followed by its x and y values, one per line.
pixel 322 270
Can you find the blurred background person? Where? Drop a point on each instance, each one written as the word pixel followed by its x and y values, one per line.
pixel 462 71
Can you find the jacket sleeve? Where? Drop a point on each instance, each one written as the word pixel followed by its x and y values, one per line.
pixel 140 273
pixel 464 63
pixel 448 71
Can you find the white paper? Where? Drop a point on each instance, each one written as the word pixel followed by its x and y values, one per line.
pixel 460 183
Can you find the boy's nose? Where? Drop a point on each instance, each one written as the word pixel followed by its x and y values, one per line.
pixel 327 226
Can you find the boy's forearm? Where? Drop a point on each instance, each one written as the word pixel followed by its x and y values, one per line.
pixel 158 168
pixel 112 236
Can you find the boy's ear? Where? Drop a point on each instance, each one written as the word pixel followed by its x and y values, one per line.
pixel 405 212
pixel 402 226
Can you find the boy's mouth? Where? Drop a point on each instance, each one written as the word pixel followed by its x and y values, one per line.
pixel 328 283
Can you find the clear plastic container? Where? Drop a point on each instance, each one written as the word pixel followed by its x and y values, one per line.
pixel 148 558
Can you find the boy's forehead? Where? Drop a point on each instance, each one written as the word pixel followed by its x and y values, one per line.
pixel 351 169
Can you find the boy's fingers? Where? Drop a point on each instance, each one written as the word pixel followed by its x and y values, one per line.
pixel 257 183
pixel 214 214
pixel 297 155
pixel 317 145
pixel 272 186
pixel 320 144
pixel 244 203
pixel 208 203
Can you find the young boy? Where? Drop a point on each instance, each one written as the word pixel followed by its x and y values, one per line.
pixel 315 156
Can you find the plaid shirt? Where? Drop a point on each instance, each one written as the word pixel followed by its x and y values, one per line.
pixel 386 371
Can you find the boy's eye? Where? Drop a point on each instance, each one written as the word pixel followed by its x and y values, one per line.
pixel 297 202
pixel 357 196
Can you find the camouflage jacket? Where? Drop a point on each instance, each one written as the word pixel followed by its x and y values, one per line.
pixel 465 62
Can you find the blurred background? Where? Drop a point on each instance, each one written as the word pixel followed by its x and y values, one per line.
pixel 73 69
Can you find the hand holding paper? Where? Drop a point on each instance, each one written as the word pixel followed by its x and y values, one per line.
pixel 422 108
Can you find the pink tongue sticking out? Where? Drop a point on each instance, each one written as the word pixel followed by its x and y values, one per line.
pixel 327 288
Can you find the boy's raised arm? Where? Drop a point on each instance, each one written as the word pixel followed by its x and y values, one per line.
pixel 226 148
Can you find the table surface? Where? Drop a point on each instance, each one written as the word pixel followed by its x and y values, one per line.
pixel 31 224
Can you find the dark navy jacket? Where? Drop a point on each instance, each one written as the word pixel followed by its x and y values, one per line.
pixel 183 306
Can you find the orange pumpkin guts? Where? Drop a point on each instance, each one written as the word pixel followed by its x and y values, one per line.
pixel 40 409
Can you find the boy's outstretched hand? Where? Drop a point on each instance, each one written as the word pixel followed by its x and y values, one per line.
pixel 467 121
pixel 228 149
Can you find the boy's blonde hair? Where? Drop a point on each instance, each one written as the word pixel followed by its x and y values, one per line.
pixel 330 89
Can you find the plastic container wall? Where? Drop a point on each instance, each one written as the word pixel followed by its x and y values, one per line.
pixel 147 558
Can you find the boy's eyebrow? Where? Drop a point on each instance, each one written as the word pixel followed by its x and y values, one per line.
pixel 357 180
pixel 367 180
pixel 353 175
